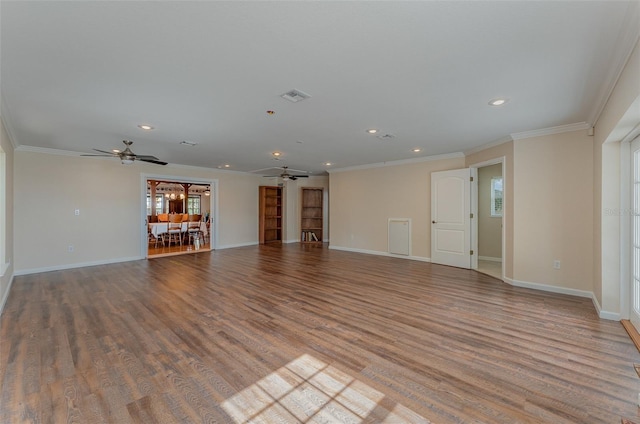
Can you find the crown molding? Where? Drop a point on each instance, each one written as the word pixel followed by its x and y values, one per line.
pixel 46 151
pixel 627 41
pixel 550 131
pixel 6 123
pixel 489 145
pixel 455 155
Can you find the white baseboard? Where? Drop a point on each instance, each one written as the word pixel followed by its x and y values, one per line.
pixel 231 246
pixel 489 258
pixel 565 290
pixel 379 253
pixel 78 265
pixel 549 288
pixel 613 316
pixel 5 296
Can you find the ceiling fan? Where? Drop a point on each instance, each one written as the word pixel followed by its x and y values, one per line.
pixel 127 156
pixel 285 175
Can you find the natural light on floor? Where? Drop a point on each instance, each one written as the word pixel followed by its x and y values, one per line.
pixel 308 390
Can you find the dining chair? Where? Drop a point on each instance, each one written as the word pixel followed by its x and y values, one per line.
pixel 174 229
pixel 193 228
pixel 153 239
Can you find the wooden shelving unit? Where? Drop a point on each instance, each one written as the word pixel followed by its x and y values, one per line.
pixel 311 224
pixel 270 214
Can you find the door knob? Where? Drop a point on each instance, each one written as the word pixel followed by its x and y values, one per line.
pixel 433 222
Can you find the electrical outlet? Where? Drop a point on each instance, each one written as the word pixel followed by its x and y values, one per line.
pixel 77 212
pixel 556 264
pixel 70 248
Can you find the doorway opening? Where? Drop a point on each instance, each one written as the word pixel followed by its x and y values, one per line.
pixel 179 216
pixel 488 207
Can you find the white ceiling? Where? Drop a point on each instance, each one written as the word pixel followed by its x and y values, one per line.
pixel 81 75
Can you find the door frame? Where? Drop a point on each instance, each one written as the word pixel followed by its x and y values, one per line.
pixel 474 208
pixel 213 206
pixel 626 224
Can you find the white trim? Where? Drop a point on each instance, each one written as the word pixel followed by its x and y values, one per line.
pixel 489 145
pixel 549 288
pixel 474 222
pixel 4 111
pixel 489 259
pixel 626 194
pixel 58 152
pixel 455 155
pixel 76 265
pixel 233 246
pixel 551 130
pixel 6 295
pixel 379 253
pixel 213 205
pixel 624 47
pixel 291 241
pixel 604 314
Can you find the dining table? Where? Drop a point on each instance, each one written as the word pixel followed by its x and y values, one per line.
pixel 158 228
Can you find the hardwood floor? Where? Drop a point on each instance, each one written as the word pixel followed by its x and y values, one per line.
pixel 303 334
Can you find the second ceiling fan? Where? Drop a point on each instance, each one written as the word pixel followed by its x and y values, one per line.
pixel 285 175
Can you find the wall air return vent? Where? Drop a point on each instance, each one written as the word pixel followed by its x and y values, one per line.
pixel 295 96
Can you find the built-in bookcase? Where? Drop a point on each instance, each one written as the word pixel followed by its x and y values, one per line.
pixel 311 224
pixel 270 214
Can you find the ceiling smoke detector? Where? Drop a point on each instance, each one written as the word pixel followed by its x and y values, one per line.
pixel 295 96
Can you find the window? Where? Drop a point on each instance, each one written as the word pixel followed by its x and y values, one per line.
pixel 159 204
pixel 193 205
pixel 496 196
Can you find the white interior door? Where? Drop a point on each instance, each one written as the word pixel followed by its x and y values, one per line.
pixel 635 238
pixel 451 217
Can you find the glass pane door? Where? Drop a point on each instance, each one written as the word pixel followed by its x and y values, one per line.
pixel 635 231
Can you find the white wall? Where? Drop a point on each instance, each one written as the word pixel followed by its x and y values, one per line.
pixel 553 210
pixel 48 188
pixel 7 266
pixel 619 116
pixel 363 200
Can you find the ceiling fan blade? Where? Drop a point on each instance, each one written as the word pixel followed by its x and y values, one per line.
pixel 146 157
pixel 104 151
pixel 297 170
pixel 265 169
pixel 300 176
pixel 102 156
pixel 154 160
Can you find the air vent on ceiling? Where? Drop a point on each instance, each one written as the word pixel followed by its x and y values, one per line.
pixel 295 96
pixel 386 136
pixel 188 143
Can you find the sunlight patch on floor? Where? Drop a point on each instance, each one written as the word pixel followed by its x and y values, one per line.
pixel 308 390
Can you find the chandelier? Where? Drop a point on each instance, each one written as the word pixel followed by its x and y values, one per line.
pixel 173 195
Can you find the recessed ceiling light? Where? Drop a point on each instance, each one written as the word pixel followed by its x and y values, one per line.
pixel 497 102
pixel 271 112
pixel 372 131
pixel 226 165
pixel 416 150
pixel 116 151
pixel 145 127
pixel 276 154
pixel 327 164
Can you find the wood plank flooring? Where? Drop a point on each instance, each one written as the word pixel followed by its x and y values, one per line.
pixel 295 333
